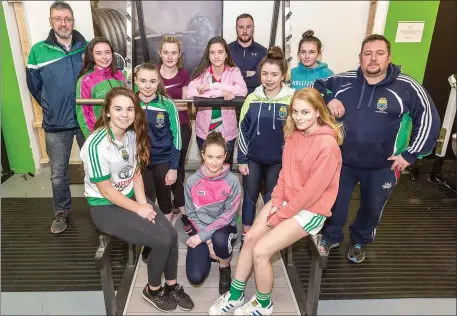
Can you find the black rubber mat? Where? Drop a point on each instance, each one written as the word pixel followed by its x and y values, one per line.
pixel 413 256
pixel 34 259
pixel 76 173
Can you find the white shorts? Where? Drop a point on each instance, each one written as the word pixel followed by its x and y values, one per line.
pixel 311 222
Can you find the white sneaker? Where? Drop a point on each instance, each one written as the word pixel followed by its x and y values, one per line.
pixel 223 305
pixel 253 307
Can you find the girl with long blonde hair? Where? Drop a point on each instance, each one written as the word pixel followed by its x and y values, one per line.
pixel 300 203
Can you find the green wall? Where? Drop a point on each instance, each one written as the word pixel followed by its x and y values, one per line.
pixel 412 56
pixel 15 133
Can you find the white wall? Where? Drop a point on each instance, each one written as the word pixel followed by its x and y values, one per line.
pixel 340 25
pixel 37 16
pixel 19 65
pixel 380 17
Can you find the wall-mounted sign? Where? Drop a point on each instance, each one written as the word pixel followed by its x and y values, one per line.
pixel 409 31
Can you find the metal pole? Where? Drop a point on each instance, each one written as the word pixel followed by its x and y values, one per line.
pixel 445 132
pixel 283 25
pixel 100 101
pixel 129 42
pixel 144 44
pixel 274 22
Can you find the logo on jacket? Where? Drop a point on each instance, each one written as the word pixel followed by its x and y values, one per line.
pixel 160 120
pixel 254 54
pixel 387 185
pixel 283 112
pixel 201 192
pixel 126 172
pixel 382 105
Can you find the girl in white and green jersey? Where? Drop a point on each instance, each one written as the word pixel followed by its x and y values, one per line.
pixel 113 155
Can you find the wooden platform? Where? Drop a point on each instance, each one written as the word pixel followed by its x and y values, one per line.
pixel 205 295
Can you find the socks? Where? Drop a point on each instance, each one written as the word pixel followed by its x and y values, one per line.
pixel 236 289
pixel 154 292
pixel 263 299
pixel 172 287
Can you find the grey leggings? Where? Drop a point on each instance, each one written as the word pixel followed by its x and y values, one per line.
pixel 130 227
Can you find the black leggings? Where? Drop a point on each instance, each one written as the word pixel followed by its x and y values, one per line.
pixel 154 185
pixel 198 261
pixel 178 187
pixel 130 227
pixel 251 187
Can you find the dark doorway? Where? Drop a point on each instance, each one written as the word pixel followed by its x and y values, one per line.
pixel 6 170
pixel 442 59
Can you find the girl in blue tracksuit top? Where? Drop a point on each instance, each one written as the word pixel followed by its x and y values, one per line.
pixel 309 68
pixel 164 132
pixel 260 137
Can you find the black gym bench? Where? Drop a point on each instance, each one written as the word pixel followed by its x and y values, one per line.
pixel 307 302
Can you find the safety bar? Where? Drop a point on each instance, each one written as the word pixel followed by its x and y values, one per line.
pixel 197 101
pixel 103 263
pixel 318 263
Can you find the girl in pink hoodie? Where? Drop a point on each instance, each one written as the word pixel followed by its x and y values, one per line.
pixel 217 76
pixel 301 201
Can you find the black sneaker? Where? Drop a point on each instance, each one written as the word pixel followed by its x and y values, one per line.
pixel 225 279
pixel 59 223
pixel 356 253
pixel 187 226
pixel 181 298
pixel 162 301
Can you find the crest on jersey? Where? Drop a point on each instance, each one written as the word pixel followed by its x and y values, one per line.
pixel 283 112
pixel 160 120
pixel 381 105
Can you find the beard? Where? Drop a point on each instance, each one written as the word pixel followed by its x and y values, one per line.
pixel 245 40
pixel 373 72
pixel 63 33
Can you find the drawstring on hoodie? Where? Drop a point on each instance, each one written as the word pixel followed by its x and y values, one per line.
pixel 258 118
pixel 361 95
pixel 274 114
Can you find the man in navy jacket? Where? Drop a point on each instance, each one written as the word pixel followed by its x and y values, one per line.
pixel 246 53
pixel 390 122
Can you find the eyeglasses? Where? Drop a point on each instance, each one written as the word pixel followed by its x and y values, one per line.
pixel 66 20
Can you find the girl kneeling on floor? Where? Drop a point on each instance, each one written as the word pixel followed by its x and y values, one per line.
pixel 113 155
pixel 212 199
pixel 301 201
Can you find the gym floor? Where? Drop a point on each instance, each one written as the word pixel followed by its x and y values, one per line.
pixel 91 302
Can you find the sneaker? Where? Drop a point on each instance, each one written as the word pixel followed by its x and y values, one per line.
pixel 356 253
pixel 59 223
pixel 162 301
pixel 180 297
pixel 253 307
pixel 223 305
pixel 324 246
pixel 187 226
pixel 242 240
pixel 225 279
